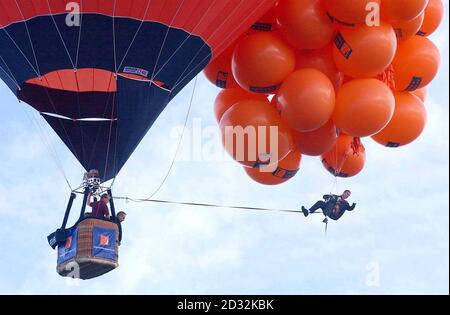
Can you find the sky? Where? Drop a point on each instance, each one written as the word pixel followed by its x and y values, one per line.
pixel 395 242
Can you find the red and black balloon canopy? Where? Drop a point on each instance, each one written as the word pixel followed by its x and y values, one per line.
pixel 101 71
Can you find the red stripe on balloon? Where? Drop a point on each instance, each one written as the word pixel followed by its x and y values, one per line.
pixel 218 22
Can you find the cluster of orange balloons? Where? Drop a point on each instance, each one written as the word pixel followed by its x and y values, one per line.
pixel 325 73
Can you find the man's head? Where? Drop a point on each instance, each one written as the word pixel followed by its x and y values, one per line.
pixel 105 198
pixel 121 216
pixel 346 194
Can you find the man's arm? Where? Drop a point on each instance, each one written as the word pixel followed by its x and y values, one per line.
pixel 352 207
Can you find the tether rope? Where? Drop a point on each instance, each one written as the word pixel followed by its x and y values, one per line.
pixel 211 205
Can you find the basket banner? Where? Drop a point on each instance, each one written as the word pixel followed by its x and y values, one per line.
pixel 104 243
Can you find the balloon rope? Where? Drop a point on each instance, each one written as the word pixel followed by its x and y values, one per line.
pixel 210 205
pixel 37 126
pixel 180 140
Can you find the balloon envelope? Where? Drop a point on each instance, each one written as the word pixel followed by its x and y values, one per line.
pixel 101 78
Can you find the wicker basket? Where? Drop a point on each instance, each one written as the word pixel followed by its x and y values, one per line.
pixel 91 249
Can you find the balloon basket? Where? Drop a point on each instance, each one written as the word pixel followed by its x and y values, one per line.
pixel 91 249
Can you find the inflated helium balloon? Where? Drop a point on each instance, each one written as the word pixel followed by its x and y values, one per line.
pixel 317 142
pixel 363 107
pixel 285 170
pixel 347 157
pixel 416 63
pixel 364 51
pixel 402 9
pixel 306 100
pixel 262 61
pixel 350 12
pixel 254 134
pixel 434 13
pixel 227 98
pixel 406 125
pixel 304 24
pixel 322 60
pixel 405 29
pixel 218 72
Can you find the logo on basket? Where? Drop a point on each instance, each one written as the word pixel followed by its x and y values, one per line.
pixel 68 243
pixel 104 240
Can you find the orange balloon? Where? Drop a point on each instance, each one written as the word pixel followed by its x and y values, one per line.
pixel 254 134
pixel 317 142
pixel 305 24
pixel 321 60
pixel 218 72
pixel 286 169
pixel 363 107
pixel 364 51
pixel 407 29
pixel 227 98
pixel 416 63
pixel 402 9
pixel 347 157
pixel 306 100
pixel 406 125
pixel 267 23
pixel 349 12
pixel 434 14
pixel 421 93
pixel 262 61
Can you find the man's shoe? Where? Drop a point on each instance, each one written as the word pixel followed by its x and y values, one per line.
pixel 305 211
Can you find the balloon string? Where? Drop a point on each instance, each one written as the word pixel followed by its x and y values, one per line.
pixel 388 77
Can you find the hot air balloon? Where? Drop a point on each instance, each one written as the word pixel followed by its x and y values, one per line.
pixel 100 74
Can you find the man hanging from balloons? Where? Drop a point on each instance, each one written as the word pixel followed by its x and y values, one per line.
pixel 329 81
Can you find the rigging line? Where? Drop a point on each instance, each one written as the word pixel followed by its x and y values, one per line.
pixel 79 34
pixel 179 141
pixel 21 52
pixel 29 38
pixel 10 75
pixel 117 138
pixel 60 35
pixel 164 40
pixel 41 131
pixel 83 151
pixel 92 155
pixel 110 134
pixel 114 36
pixel 72 147
pixel 135 35
pixel 37 64
pixel 45 135
pixel 211 53
pixel 198 204
pixel 34 121
pixel 186 39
